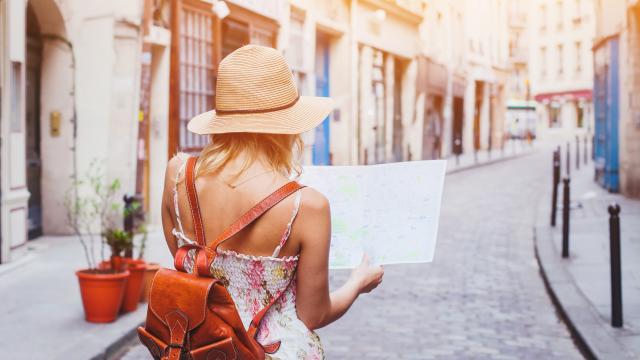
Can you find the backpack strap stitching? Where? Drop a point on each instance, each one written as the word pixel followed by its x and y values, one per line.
pixel 192 196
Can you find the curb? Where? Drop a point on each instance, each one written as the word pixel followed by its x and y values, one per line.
pixel 591 333
pixel 489 162
pixel 115 349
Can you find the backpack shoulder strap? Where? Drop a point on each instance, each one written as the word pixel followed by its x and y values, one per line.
pixel 192 196
pixel 255 212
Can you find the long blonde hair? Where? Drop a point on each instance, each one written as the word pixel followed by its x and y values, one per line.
pixel 280 152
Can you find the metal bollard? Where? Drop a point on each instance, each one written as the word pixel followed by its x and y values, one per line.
pixel 577 152
pixel 559 151
pixel 616 273
pixel 554 192
pixel 565 217
pixel 568 159
pixel 586 158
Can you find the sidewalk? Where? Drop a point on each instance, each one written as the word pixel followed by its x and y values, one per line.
pixel 469 160
pixel 580 285
pixel 41 309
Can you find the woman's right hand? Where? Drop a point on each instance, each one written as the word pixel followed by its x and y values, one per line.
pixel 365 276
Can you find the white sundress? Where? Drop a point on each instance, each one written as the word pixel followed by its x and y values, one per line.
pixel 253 281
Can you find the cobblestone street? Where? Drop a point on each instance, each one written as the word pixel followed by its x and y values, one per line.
pixel 482 297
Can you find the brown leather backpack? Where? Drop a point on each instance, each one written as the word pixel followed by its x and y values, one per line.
pixel 192 316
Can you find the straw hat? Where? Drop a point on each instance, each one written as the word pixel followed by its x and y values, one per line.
pixel 256 93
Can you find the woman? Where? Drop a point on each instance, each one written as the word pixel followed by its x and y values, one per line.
pixel 254 142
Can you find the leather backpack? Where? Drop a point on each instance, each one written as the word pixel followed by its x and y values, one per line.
pixel 192 315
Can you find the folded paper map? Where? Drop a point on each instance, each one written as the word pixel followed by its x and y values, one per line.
pixel 388 211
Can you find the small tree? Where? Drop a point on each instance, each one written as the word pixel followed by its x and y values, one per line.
pixel 91 209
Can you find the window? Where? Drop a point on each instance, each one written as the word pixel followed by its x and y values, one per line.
pixel 295 53
pixel 543 61
pixel 578 57
pixel 378 92
pixel 560 14
pixel 197 73
pixel 560 59
pixel 543 17
pixel 15 79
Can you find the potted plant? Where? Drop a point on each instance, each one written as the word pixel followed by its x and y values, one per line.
pixel 135 224
pixel 121 242
pixel 87 202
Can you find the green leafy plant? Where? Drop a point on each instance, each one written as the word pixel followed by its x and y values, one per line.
pixel 92 209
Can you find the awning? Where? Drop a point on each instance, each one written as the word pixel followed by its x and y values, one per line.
pixel 584 94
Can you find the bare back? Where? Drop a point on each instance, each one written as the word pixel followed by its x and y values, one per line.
pixel 221 204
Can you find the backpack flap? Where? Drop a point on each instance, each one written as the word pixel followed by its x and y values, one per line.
pixel 187 294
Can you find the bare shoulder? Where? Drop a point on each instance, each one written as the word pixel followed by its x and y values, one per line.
pixel 314 201
pixel 174 165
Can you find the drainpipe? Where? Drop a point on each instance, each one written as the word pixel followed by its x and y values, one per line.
pixel 354 144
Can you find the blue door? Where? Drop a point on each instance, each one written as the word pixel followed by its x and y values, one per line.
pixel 607 114
pixel 320 154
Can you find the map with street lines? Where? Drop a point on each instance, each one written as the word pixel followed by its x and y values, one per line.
pixel 388 211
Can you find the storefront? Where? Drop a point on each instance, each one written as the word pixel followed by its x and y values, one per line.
pixel 387 71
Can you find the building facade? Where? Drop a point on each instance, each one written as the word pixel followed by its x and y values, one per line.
pixel 561 63
pixel 616 53
pixel 442 79
pixel 521 120
pixel 69 74
pixel 488 68
pixel 115 82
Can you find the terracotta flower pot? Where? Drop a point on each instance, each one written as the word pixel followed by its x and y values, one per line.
pixel 134 285
pixel 109 264
pixel 102 292
pixel 149 273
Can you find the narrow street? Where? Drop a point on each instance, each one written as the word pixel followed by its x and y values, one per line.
pixel 481 298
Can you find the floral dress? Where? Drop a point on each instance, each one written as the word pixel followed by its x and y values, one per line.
pixel 253 281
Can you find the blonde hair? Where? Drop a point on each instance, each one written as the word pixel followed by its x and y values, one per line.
pixel 280 152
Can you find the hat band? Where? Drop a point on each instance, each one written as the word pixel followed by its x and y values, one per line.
pixel 257 111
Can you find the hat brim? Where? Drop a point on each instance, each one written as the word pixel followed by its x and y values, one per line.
pixel 307 113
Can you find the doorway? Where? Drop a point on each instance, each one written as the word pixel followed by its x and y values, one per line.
pixel 398 68
pixel 432 128
pixel 458 118
pixel 321 154
pixel 33 143
pixel 477 115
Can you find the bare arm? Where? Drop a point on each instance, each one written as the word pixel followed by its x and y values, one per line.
pixel 315 305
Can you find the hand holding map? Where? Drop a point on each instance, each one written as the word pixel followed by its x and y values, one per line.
pixel 388 211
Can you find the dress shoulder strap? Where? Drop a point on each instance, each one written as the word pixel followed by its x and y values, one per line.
pixel 287 230
pixel 175 195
